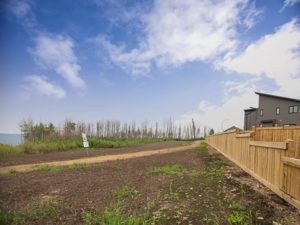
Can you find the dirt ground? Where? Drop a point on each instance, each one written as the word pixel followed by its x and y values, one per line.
pixel 86 161
pixel 208 190
pixel 81 153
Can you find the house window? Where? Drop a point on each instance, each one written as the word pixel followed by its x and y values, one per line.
pixel 277 111
pixel 293 109
pixel 261 113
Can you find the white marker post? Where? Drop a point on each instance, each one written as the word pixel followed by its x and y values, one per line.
pixel 85 143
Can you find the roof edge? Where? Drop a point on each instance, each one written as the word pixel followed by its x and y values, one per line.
pixel 276 96
pixel 250 109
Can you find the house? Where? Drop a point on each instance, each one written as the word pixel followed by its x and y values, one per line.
pixel 231 128
pixel 272 111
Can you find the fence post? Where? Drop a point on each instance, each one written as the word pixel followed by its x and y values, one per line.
pixel 290 148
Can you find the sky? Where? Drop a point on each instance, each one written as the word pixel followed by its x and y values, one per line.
pixel 91 60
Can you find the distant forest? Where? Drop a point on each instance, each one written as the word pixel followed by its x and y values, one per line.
pixel 32 131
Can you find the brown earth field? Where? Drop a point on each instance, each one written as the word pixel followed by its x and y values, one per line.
pixel 81 153
pixel 190 187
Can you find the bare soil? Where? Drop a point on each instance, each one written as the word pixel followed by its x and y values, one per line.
pixel 95 159
pixel 82 153
pixel 196 196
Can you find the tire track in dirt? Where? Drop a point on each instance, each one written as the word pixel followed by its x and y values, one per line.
pixel 96 159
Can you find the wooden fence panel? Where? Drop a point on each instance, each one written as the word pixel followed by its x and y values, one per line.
pixel 263 154
pixel 291 177
pixel 280 134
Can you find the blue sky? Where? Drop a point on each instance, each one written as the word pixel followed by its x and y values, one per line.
pixel 145 60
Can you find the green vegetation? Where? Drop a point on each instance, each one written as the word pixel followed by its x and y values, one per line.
pixel 108 129
pixel 48 146
pixel 91 215
pixel 241 217
pixel 235 218
pixel 202 147
pixel 215 170
pixel 171 195
pixel 239 214
pixel 7 150
pixel 125 192
pixel 211 219
pixel 112 215
pixel 45 138
pixel 211 132
pixel 33 212
pixel 236 206
pixel 46 167
pixel 169 169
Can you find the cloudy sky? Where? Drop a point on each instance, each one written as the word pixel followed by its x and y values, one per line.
pixel 90 60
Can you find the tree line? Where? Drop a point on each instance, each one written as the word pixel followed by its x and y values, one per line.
pixel 32 131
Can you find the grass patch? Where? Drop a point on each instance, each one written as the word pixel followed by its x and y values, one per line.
pixel 171 195
pixel 239 217
pixel 46 167
pixel 115 216
pixel 215 170
pixel 33 212
pixel 236 206
pixel 169 169
pixel 91 215
pixel 202 147
pixel 212 219
pixel 236 218
pixel 240 214
pixel 69 144
pixel 112 215
pixel 126 192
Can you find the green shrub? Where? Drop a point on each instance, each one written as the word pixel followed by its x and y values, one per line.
pixel 7 150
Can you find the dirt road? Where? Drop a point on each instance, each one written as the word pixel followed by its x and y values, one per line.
pixel 96 159
pixel 81 153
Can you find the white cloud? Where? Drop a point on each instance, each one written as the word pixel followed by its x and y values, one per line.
pixel 276 56
pixel 56 52
pixel 239 87
pixel 42 86
pixel 20 8
pixel 135 62
pixel 220 117
pixel 251 15
pixel 290 2
pixel 177 32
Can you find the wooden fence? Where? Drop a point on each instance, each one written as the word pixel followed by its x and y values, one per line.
pixel 271 155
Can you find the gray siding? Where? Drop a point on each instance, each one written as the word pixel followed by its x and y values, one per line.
pixel 250 119
pixel 269 105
